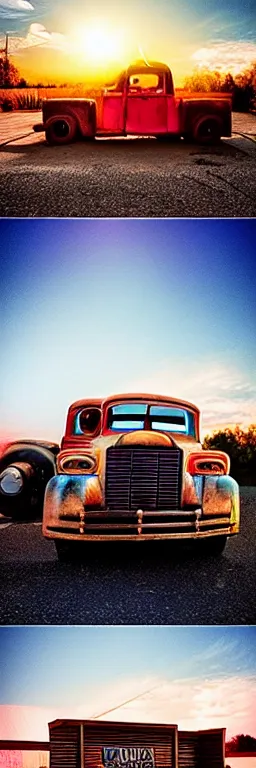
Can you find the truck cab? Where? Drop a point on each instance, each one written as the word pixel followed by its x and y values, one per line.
pixel 141 102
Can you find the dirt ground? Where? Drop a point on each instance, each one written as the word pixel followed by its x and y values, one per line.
pixel 124 177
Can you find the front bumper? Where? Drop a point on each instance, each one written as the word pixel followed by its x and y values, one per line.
pixel 73 510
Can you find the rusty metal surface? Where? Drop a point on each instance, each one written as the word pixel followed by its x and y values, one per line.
pixel 136 474
pixel 78 108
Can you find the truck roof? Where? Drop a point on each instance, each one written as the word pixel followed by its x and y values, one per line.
pixel 144 67
pixel 98 402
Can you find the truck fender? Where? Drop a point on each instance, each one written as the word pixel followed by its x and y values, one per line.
pixel 61 129
pixel 25 469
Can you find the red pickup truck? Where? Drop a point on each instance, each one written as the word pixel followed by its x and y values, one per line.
pixel 141 102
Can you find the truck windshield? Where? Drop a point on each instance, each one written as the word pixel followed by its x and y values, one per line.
pixel 132 416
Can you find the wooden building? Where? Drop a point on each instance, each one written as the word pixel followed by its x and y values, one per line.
pixel 108 744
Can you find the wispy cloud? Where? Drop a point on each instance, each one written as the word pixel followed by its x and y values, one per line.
pixel 219 649
pixel 225 56
pixel 224 394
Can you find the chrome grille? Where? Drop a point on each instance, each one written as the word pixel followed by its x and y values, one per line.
pixel 143 477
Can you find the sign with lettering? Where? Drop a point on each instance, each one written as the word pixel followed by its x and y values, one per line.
pixel 128 757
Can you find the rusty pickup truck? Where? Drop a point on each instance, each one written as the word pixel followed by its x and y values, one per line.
pixel 132 467
pixel 142 102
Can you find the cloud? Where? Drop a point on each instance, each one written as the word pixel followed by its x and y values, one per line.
pixel 16 5
pixel 38 35
pixel 192 704
pixel 233 56
pixel 224 394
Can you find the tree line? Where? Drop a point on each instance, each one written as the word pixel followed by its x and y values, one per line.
pixel 241 743
pixel 241 447
pixel 242 87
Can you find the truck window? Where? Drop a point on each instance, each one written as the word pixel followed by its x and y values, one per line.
pixel 132 416
pixel 87 421
pixel 145 83
pixel 127 416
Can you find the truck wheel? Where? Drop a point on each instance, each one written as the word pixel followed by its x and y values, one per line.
pixel 69 552
pixel 215 545
pixel 24 473
pixel 61 129
pixel 207 131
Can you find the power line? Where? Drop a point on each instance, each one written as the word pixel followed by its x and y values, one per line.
pixel 128 701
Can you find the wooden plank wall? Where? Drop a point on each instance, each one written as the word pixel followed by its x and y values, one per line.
pixel 65 746
pixel 161 741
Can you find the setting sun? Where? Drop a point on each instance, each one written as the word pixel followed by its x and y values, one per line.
pixel 100 44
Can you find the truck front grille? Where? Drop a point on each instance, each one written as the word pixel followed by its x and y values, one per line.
pixel 143 477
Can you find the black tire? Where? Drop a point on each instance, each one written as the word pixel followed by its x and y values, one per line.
pixel 28 504
pixel 69 551
pixel 207 131
pixel 214 546
pixel 61 129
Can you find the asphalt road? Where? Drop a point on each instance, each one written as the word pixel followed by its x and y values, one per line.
pixel 131 584
pixel 124 177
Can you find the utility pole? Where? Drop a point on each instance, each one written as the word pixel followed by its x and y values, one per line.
pixel 6 62
pixel 5 52
pixel 6 46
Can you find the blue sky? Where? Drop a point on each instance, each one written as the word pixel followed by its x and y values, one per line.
pixel 98 655
pixel 95 307
pixel 196 676
pixel 219 34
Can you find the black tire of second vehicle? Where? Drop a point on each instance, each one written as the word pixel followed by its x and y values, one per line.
pixel 29 503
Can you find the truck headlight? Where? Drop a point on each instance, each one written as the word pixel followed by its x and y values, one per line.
pixel 11 481
pixel 208 463
pixel 75 464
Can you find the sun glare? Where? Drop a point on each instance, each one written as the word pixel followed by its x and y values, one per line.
pixel 99 44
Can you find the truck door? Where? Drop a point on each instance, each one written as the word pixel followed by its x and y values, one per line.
pixel 146 104
pixel 111 119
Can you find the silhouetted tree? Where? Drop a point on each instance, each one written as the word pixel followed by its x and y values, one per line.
pixel 240 445
pixel 241 743
pixel 9 75
pixel 228 84
pixel 22 83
